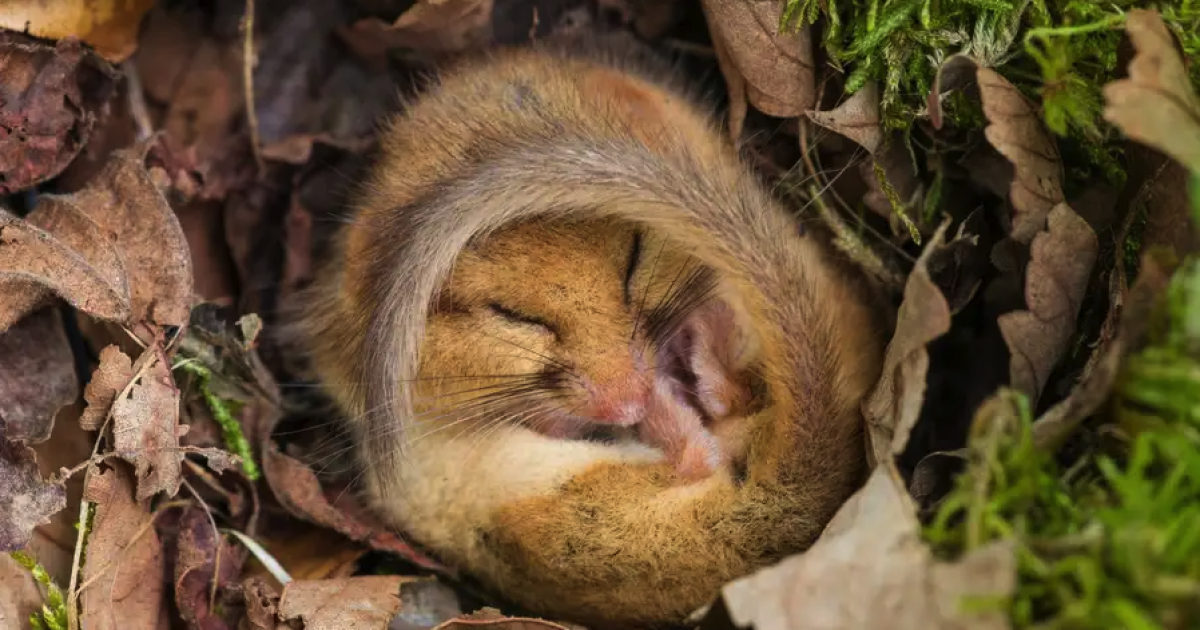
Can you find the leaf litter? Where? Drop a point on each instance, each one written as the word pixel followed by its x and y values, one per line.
pixel 113 254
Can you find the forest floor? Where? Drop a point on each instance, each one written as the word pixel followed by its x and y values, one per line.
pixel 1021 178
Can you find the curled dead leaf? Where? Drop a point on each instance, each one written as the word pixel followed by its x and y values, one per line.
pixel 61 251
pixel 430 26
pixel 110 378
pixel 124 200
pixel 51 100
pixel 146 428
pixel 492 618
pixel 1125 324
pixel 125 566
pixel 298 489
pixel 1157 104
pixel 109 26
pixel 894 405
pixel 204 556
pixel 355 602
pixel 870 569
pixel 37 375
pixel 114 250
pixel 1015 130
pixel 26 501
pixel 1056 279
pixel 857 118
pixel 773 71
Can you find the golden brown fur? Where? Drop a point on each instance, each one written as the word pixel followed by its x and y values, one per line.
pixel 599 533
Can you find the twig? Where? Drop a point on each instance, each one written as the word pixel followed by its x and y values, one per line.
pixel 137 101
pixel 72 593
pixel 248 58
pixel 140 532
pixel 212 595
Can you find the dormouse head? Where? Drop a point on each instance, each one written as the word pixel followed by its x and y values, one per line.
pixel 564 326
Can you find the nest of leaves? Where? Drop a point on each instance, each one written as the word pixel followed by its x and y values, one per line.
pixel 1015 173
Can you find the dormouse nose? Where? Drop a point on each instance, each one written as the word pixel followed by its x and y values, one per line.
pixel 619 392
pixel 622 402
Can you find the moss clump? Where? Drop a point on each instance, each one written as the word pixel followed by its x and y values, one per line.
pixel 224 412
pixel 1114 541
pixel 53 615
pixel 1059 52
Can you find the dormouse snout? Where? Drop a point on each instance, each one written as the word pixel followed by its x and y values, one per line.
pixel 618 396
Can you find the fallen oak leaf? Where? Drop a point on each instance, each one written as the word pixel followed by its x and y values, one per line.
pixel 109 26
pixel 204 557
pixel 870 569
pixel 770 70
pixel 124 200
pixel 123 584
pixel 892 408
pixel 146 428
pixel 37 375
pixel 1127 321
pixel 1056 279
pixel 492 618
pixel 1157 104
pixel 110 378
pixel 857 118
pixel 354 602
pixel 431 26
pixel 890 173
pixel 1015 130
pixel 52 99
pixel 76 261
pixel 299 491
pixel 26 501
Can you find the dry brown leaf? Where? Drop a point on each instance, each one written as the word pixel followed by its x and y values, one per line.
pixel 52 98
pixel 355 602
pixel 299 491
pixel 430 26
pixel 492 618
pixel 1017 132
pixel 113 374
pixel 772 71
pixel 262 605
pixel 857 118
pixel 37 375
pixel 109 26
pixel 125 566
pixel 59 250
pixel 307 553
pixel 1157 104
pixel 123 199
pixel 146 428
pixel 19 595
pixel 26 501
pixel 114 250
pixel 196 567
pixel 870 569
pixel 1126 322
pixel 893 407
pixel 53 543
pixel 1056 279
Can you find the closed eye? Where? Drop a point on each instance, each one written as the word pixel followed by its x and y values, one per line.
pixel 635 256
pixel 521 318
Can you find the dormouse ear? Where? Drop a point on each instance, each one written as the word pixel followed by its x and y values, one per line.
pixel 732 333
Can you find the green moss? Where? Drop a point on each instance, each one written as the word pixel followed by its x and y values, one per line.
pixel 1058 52
pixel 1115 540
pixel 53 615
pixel 224 412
